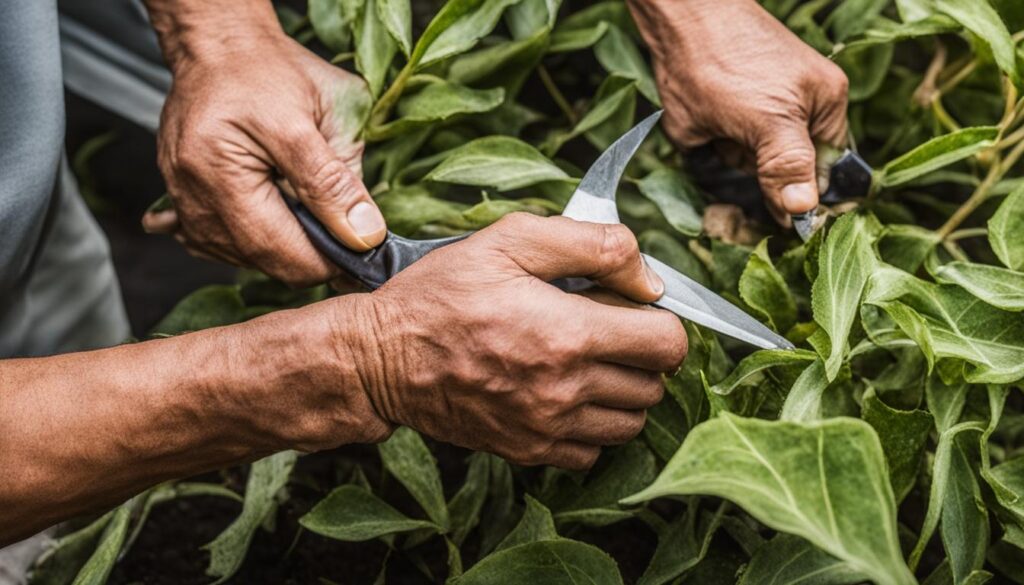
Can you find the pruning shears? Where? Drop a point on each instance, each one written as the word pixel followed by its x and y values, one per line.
pixel 593 201
pixel 848 177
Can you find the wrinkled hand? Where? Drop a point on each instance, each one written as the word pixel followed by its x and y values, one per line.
pixel 240 117
pixel 473 347
pixel 728 71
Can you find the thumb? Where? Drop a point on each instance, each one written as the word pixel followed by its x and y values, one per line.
pixel 786 168
pixel 326 185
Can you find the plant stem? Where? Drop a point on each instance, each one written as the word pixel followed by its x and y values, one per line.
pixel 942 115
pixel 995 174
pixel 382 108
pixel 556 94
pixel 967 233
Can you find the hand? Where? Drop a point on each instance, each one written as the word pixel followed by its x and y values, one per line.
pixel 473 346
pixel 241 114
pixel 728 71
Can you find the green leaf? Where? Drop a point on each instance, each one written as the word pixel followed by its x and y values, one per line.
pixel 866 67
pixel 803 403
pixel 211 306
pixel 853 17
pixel 266 477
pixel 906 246
pixel 823 481
pixel 965 526
pixel 1006 230
pixel 936 154
pixel 625 470
pixel 676 197
pixel 352 513
pixel 1007 481
pixel 949 322
pixel 375 47
pixel 408 209
pixel 552 562
pixel 564 41
pixel 535 525
pixel 397 18
pixel 756 363
pixel 407 458
pixel 465 505
pixel 619 55
pixel 682 544
pixel 903 434
pixel 63 561
pixel 618 103
pixel 97 569
pixel 496 161
pixel 996 286
pixel 763 289
pixel 505 65
pixel 845 262
pixel 331 20
pixel 980 18
pixel 884 31
pixel 437 101
pixel 456 28
pixel 668 249
pixel 528 17
pixel 787 559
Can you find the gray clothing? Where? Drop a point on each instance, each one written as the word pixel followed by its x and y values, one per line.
pixel 58 290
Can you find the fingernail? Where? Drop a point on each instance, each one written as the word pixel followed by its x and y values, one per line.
pixel 367 222
pixel 799 197
pixel 657 285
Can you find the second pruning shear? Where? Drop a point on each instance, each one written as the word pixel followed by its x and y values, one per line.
pixel 593 201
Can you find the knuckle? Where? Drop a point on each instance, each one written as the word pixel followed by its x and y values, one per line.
pixel 517 222
pixel 332 182
pixel 676 341
pixel 619 247
pixel 785 160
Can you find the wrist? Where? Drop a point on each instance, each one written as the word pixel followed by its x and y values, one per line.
pixel 198 30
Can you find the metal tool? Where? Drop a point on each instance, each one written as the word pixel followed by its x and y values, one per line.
pixel 849 177
pixel 593 201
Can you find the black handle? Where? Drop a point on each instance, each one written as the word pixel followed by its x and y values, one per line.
pixel 849 178
pixel 376 266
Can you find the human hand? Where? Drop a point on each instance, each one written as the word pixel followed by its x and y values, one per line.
pixel 729 72
pixel 474 347
pixel 249 113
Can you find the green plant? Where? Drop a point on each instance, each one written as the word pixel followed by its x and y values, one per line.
pixel 887 447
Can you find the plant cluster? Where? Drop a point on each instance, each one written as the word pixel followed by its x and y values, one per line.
pixel 886 449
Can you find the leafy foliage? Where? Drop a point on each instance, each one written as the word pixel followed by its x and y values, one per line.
pixel 899 419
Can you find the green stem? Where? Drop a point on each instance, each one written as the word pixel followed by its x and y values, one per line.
pixel 984 190
pixel 382 108
pixel 556 94
pixel 979 232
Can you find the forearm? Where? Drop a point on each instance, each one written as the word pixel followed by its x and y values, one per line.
pixel 670 26
pixel 85 431
pixel 189 29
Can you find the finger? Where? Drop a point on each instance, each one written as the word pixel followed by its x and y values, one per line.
pixel 571 455
pixel 326 185
pixel 597 425
pixel 558 247
pixel 160 222
pixel 650 339
pixel 620 387
pixel 209 254
pixel 785 167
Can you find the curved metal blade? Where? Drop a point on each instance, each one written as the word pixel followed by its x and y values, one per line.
pixel 594 198
pixel 693 302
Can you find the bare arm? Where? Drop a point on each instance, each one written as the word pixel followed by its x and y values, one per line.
pixel 85 431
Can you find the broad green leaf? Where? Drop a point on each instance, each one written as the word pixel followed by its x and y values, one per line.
pixel 759 361
pixel 266 477
pixel 803 403
pixel 625 470
pixel 668 249
pixel 332 21
pixel 845 262
pixel 948 322
pixel 727 264
pixel 528 17
pixel 552 562
pixel 884 31
pixel 397 18
pixel 535 525
pixel 996 286
pixel 676 197
pixel 903 434
pixel 1006 230
pixel 866 67
pixel 914 10
pixel 1007 482
pixel 97 569
pixel 906 246
pixel 505 65
pixel 375 46
pixel 407 458
pixel 682 544
pixel 763 290
pixel 496 161
pixel 499 517
pixel 619 55
pixel 620 101
pixel 211 306
pixel 456 28
pixel 602 131
pixel 437 101
pixel 352 513
pixel 980 18
pixel 564 41
pixel 965 526
pixel 465 505
pixel 946 402
pixel 408 209
pixel 823 481
pixel 611 11
pixel 787 559
pixel 936 154
pixel 62 562
pixel 853 17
